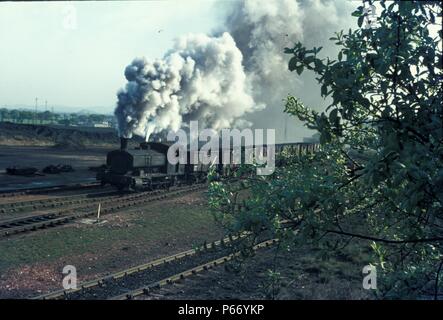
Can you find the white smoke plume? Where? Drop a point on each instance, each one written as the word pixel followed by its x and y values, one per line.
pixel 201 78
pixel 262 29
pixel 225 79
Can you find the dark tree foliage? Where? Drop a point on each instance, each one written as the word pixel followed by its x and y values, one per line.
pixel 379 174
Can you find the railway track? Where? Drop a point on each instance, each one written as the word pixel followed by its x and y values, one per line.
pixel 58 201
pixel 108 205
pixel 126 284
pixel 21 206
pixel 145 290
pixel 48 190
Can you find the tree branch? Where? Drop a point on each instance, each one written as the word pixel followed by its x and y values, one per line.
pixel 436 239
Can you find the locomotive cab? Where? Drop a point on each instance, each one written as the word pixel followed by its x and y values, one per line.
pixel 143 167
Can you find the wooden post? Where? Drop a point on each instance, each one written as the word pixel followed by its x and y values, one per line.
pixel 98 212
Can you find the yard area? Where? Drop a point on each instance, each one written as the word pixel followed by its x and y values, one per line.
pixel 32 263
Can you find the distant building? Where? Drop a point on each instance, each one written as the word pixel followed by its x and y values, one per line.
pixel 104 124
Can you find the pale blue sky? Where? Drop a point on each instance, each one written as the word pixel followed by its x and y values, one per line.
pixel 41 56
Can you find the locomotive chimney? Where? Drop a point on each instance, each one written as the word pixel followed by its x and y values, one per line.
pixel 123 143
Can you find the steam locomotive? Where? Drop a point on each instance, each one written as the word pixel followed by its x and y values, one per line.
pixel 146 167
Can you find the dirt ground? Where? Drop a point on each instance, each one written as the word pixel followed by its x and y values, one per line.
pixel 14 134
pixel 32 263
pixel 38 146
pixel 40 157
pixel 298 275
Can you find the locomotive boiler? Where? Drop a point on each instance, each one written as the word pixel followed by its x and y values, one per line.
pixel 147 167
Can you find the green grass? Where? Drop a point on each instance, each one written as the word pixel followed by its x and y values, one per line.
pixel 159 223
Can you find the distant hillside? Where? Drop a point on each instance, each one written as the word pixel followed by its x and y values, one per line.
pixel 13 134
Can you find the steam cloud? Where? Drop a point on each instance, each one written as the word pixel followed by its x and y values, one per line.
pixel 224 79
pixel 201 78
pixel 262 29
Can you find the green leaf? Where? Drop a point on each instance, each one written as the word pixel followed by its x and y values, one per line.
pixel 333 115
pixel 432 17
pixel 293 63
pixel 324 90
pixel 299 69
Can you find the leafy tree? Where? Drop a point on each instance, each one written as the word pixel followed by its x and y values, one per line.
pixel 96 118
pixel 15 115
pixel 4 114
pixel 28 116
pixel 379 174
pixel 65 122
pixel 46 116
